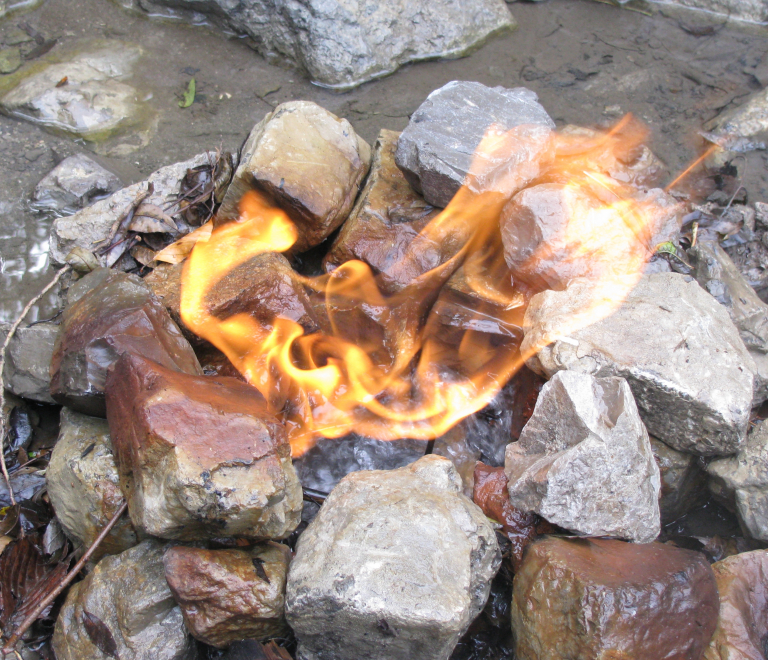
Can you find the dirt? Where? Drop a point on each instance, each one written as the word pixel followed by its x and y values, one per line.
pixel 589 62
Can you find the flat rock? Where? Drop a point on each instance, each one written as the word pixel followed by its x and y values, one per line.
pixel 683 481
pixel 599 598
pixel 436 149
pixel 395 565
pixel 127 594
pixel 28 361
pixel 199 457
pixel 229 595
pixel 118 313
pixel 752 11
pixel 676 346
pixel 584 461
pixel 310 162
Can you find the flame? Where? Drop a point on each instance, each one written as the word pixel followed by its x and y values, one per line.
pixel 388 367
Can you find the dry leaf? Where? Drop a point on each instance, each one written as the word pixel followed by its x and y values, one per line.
pixel 100 635
pixel 176 252
pixel 150 218
pixel 143 254
pixel 4 541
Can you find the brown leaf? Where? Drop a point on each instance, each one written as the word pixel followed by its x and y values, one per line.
pixel 143 254
pixel 274 652
pixel 176 252
pixel 100 635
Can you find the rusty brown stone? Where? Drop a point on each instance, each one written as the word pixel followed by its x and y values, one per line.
pixel 599 598
pixel 199 457
pixel 165 282
pixel 228 595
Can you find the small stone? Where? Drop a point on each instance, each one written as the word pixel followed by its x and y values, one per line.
pixel 229 595
pixel 127 595
pixel 453 445
pixel 199 457
pixel 683 481
pixel 436 149
pixel 599 598
pixel 28 361
pixel 395 565
pixel 10 60
pixel 584 461
pixel 309 161
pixel 84 487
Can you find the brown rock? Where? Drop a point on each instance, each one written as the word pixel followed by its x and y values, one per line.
pixel 165 282
pixel 117 315
pixel 742 628
pixel 228 595
pixel 575 599
pixel 199 457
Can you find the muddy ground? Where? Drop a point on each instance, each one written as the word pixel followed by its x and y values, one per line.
pixel 589 62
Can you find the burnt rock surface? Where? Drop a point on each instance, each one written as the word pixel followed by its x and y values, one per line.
pixel 230 594
pixel 598 598
pixel 199 457
pixel 111 313
pixel 27 367
pixel 355 592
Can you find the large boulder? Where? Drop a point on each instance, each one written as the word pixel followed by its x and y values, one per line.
pixel 599 598
pixel 27 366
pixel 199 457
pixel 395 565
pixel 676 346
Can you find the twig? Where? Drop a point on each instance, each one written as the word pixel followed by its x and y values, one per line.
pixel 3 350
pixel 8 648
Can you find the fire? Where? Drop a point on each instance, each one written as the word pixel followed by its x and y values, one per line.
pixel 389 368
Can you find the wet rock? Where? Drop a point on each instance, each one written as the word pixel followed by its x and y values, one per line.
pixel 436 149
pixel 76 182
pixel 28 361
pixel 683 481
pixel 229 595
pixel 677 347
pixel 584 461
pixel 90 228
pixel 127 595
pixel 599 598
pixel 741 482
pixel 199 457
pixel 309 161
pixel 395 565
pixel 742 628
pixel 118 314
pixel 84 487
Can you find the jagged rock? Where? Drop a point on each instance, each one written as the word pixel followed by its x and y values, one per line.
pixel 742 581
pixel 199 457
pixel 395 565
pixel 683 481
pixel 228 595
pixel 76 182
pixel 84 487
pixel 27 368
pixel 437 147
pixel 741 482
pixel 677 347
pixel 453 445
pixel 127 594
pixel 116 313
pixel 584 461
pixel 309 161
pixel 599 598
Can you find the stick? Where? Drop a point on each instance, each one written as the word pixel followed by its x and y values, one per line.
pixel 3 350
pixel 8 648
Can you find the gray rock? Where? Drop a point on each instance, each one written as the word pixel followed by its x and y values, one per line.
pixel 28 361
pixel 683 481
pixel 395 565
pixel 10 60
pixel 741 482
pixel 682 356
pixel 584 461
pixel 76 182
pixel 128 594
pixel 83 484
pixel 752 11
pixel 341 45
pixel 436 149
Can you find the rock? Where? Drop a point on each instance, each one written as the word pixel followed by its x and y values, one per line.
pixel 90 228
pixel 76 182
pixel 93 104
pixel 599 598
pixel 453 445
pixel 683 482
pixel 199 457
pixel 733 127
pixel 309 161
pixel 741 483
pixel 751 259
pixel 341 46
pixel 84 487
pixel 436 149
pixel 118 314
pixel 751 11
pixel 229 595
pixel 584 461
pixel 677 347
pixel 395 565
pixel 10 60
pixel 28 361
pixel 742 581
pixel 125 599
